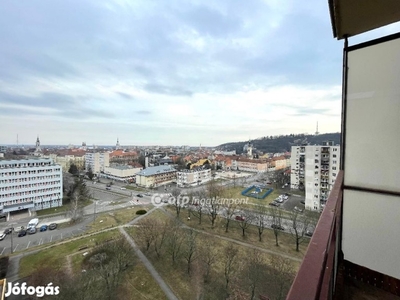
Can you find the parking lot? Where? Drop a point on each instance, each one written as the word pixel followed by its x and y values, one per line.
pixel 40 238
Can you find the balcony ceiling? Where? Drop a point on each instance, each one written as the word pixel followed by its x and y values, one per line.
pixel 352 17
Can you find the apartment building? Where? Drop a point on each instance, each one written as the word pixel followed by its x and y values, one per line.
pixel 193 177
pixel 156 176
pixel 66 158
pixel 97 161
pixel 354 250
pixel 314 169
pixel 33 184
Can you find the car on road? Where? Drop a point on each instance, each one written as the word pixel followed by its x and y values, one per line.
pixel 43 228
pixel 22 233
pixel 139 195
pixel 147 194
pixel 108 188
pixel 239 218
pixel 32 230
pixel 279 227
pixel 2 237
pixel 123 188
pixel 52 226
pixel 8 231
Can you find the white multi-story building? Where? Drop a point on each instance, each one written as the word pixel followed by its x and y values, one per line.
pixel 97 161
pixel 156 176
pixel 193 177
pixel 124 173
pixel 314 169
pixel 33 184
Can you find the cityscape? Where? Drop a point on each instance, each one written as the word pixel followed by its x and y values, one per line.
pixel 199 150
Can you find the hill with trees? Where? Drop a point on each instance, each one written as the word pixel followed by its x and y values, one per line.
pixel 282 143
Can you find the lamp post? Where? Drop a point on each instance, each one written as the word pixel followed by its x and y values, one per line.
pixel 12 233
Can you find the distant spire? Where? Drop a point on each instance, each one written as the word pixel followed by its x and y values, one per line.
pixel 316 132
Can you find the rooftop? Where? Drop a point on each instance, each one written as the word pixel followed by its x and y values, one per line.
pixel 156 170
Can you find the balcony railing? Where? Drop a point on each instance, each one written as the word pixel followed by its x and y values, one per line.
pixel 316 278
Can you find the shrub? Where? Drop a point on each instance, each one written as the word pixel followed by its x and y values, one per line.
pixel 141 212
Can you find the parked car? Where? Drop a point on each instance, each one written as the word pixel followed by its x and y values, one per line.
pixel 147 194
pixel 22 233
pixel 303 202
pixel 123 188
pixel 8 231
pixel 108 188
pixel 273 203
pixel 2 237
pixel 239 218
pixel 139 195
pixel 279 227
pixel 52 226
pixel 43 228
pixel 309 233
pixel 32 230
pixel 298 209
pixel 284 197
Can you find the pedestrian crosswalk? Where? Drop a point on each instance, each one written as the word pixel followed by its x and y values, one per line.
pixel 136 202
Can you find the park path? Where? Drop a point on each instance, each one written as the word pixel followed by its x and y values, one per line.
pixel 157 277
pixel 169 214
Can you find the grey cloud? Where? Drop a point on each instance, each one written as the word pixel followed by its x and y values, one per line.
pixel 167 90
pixel 124 95
pixel 310 111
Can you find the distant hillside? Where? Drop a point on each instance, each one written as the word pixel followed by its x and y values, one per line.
pixel 282 143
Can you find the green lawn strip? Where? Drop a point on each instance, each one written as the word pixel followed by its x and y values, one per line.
pixel 55 256
pixel 134 188
pixel 62 209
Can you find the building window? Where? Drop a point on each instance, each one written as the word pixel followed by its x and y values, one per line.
pixel 333 168
pixel 334 155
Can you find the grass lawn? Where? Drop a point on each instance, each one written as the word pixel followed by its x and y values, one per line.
pixel 114 218
pixel 176 276
pixel 55 256
pixel 286 240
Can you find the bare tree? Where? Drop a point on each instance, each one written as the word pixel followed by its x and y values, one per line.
pixel 276 218
pixel 230 265
pixel 176 200
pixel 214 191
pixel 282 275
pixel 246 218
pixel 299 224
pixel 197 207
pixel 148 232
pixel 261 216
pixel 229 211
pixel 190 248
pixel 174 240
pixel 160 240
pixel 109 262
pixel 209 258
pixel 255 271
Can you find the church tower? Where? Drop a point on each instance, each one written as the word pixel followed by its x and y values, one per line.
pixel 117 146
pixel 38 149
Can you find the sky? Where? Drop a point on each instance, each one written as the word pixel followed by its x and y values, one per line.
pixel 167 72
